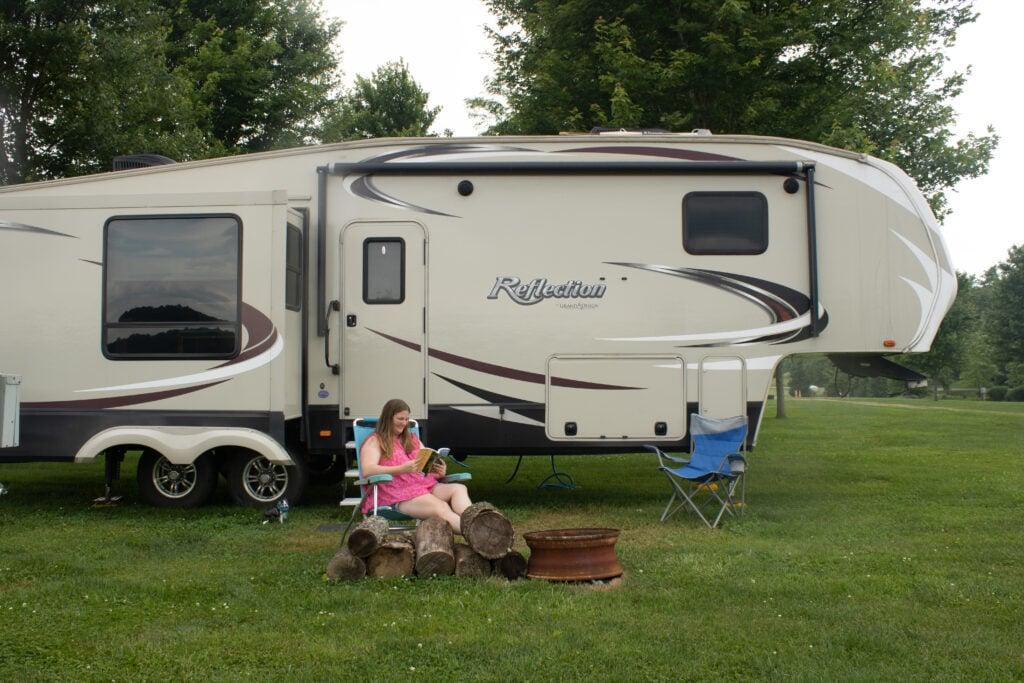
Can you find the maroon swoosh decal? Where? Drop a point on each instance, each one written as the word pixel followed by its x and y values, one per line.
pixel 500 370
pixel 669 153
pixel 262 334
pixel 119 401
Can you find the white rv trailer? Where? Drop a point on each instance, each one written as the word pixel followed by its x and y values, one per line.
pixel 525 295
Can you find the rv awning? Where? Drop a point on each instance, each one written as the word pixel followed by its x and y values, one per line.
pixel 566 167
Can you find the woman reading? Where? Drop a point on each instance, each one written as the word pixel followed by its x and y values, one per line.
pixel 392 449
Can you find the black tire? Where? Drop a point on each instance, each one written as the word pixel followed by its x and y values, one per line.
pixel 255 481
pixel 166 485
pixel 326 469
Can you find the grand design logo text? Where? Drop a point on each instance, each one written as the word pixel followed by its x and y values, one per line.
pixel 538 289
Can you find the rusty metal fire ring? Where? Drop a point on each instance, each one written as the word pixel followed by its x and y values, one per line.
pixel 573 554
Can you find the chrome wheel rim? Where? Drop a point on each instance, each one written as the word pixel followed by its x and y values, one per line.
pixel 264 480
pixel 174 481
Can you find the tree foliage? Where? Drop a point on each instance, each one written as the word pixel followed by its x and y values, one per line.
pixel 1004 314
pixel 264 72
pixel 865 75
pixel 390 103
pixel 81 82
pixel 948 357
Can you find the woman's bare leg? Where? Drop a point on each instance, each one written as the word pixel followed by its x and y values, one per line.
pixel 456 495
pixel 429 505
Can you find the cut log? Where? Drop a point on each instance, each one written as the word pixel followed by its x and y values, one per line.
pixel 487 530
pixel 395 557
pixel 369 535
pixel 435 548
pixel 469 562
pixel 512 566
pixel 345 566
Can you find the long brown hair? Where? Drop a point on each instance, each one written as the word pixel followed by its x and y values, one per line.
pixel 385 428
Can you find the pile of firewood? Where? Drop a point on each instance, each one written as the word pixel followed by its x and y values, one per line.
pixel 430 549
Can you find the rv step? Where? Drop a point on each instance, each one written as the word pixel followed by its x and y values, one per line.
pixel 352 473
pixel 349 502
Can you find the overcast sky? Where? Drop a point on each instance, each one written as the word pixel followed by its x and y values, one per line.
pixel 443 43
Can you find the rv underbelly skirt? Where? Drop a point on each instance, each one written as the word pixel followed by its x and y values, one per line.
pixel 56 435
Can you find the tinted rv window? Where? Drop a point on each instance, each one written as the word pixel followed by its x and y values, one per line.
pixel 293 271
pixel 383 271
pixel 725 223
pixel 172 287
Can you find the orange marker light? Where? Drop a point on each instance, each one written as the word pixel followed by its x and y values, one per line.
pixel 889 343
pixel 325 432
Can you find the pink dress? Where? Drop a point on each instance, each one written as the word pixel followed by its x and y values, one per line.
pixel 402 486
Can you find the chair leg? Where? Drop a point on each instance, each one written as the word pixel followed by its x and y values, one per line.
pixel 666 513
pixel 698 495
pixel 702 495
pixel 685 500
pixel 348 527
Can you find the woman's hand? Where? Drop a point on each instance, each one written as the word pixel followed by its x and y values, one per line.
pixel 440 468
pixel 407 467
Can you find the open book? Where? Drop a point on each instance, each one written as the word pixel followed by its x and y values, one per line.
pixel 426 458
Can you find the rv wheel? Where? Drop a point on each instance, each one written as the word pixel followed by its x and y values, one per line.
pixel 164 484
pixel 255 481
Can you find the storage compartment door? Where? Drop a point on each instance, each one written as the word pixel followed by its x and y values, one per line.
pixel 723 386
pixel 618 398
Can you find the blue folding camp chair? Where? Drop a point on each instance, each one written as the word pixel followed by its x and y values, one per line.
pixel 713 476
pixel 362 428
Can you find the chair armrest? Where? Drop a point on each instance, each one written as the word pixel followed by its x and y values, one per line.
pixel 455 476
pixel 373 479
pixel 737 463
pixel 663 456
pixel 446 452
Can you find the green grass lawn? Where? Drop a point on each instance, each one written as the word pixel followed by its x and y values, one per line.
pixel 883 541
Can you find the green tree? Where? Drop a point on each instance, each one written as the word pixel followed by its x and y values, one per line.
pixel 78 79
pixel 865 75
pixel 1004 312
pixel 947 359
pixel 387 104
pixel 264 73
pixel 1015 374
pixel 81 82
pixel 806 371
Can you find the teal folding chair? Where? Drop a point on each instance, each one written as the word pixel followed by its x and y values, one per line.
pixel 714 475
pixel 362 428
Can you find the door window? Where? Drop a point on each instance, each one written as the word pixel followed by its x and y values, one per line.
pixel 383 271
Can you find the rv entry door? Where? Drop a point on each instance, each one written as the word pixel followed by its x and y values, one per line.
pixel 383 342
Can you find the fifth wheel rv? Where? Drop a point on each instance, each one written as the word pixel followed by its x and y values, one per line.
pixel 529 295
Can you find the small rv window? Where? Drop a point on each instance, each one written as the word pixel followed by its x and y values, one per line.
pixel 172 287
pixel 725 223
pixel 383 271
pixel 293 272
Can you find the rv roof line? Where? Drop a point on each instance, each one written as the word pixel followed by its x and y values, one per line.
pixel 569 167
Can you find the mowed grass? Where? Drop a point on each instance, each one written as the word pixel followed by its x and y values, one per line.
pixel 883 541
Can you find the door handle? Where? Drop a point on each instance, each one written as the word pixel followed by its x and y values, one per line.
pixel 335 305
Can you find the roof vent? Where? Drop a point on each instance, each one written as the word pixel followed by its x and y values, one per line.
pixel 129 162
